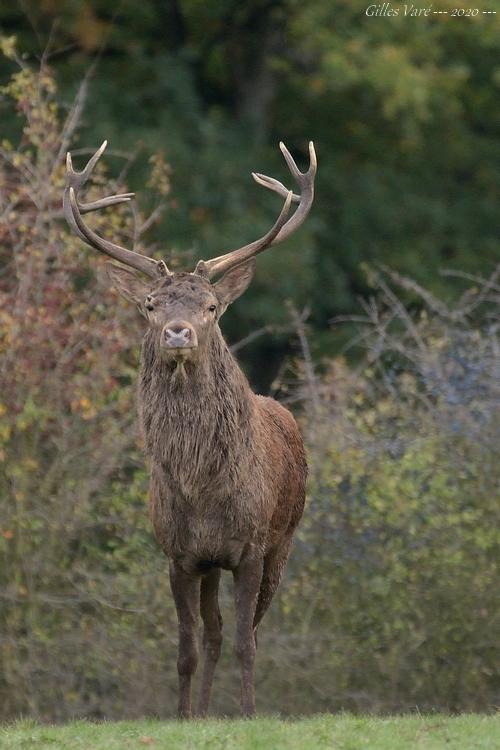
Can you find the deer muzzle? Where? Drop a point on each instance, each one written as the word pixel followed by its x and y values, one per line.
pixel 178 337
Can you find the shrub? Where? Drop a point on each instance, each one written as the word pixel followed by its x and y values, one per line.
pixel 80 578
pixel 393 587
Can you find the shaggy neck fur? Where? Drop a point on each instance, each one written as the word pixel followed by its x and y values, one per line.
pixel 195 422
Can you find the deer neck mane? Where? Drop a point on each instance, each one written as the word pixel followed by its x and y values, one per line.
pixel 194 423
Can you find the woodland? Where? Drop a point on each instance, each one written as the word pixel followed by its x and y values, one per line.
pixel 377 324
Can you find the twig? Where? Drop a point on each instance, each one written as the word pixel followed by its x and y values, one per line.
pixel 252 336
pixel 298 322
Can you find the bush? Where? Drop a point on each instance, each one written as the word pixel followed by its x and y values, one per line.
pixel 393 586
pixel 84 597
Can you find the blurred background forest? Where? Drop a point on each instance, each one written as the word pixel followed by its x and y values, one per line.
pixel 377 323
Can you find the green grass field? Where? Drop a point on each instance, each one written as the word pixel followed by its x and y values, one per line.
pixel 341 732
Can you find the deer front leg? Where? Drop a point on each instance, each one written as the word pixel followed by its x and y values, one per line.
pixel 186 593
pixel 212 636
pixel 247 579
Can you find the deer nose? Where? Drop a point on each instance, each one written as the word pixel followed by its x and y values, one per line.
pixel 178 334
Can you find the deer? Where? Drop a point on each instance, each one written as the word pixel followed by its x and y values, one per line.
pixel 227 467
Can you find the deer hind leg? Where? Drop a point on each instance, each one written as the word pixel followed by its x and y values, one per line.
pixel 274 567
pixel 186 593
pixel 247 578
pixel 212 636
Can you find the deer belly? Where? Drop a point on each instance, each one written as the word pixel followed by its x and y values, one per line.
pixel 199 551
pixel 200 538
pixel 204 560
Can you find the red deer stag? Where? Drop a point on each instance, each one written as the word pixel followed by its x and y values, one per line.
pixel 228 468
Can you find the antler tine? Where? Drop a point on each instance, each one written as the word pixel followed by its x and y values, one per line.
pixel 284 226
pixel 73 211
pixel 209 268
pixel 77 179
pixel 305 181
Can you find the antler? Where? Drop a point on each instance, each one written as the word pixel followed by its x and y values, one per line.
pixel 73 211
pixel 283 227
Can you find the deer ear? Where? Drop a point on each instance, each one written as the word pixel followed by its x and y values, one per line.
pixel 234 283
pixel 127 283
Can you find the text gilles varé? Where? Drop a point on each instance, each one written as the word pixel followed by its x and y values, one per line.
pixel 388 10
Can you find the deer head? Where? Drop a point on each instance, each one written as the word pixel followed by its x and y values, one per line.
pixel 183 308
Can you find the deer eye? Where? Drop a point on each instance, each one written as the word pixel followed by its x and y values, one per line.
pixel 212 308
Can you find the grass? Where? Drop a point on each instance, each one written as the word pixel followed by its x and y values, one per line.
pixel 340 732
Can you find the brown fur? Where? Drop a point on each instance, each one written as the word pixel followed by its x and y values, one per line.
pixel 228 471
